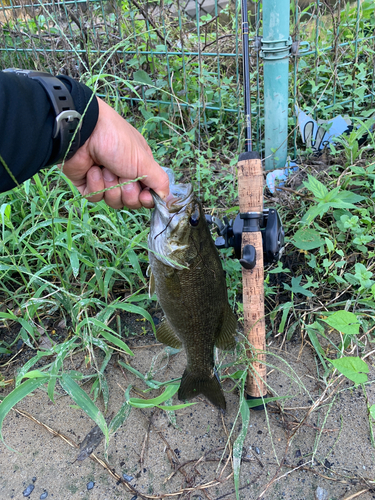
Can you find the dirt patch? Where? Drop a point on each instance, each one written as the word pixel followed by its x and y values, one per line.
pixel 331 449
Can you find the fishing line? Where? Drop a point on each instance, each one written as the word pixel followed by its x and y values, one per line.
pixel 166 227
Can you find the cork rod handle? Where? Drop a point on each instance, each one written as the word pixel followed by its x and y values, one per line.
pixel 250 190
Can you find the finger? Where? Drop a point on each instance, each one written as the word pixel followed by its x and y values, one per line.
pixel 146 199
pixel 130 194
pixel 156 178
pixel 113 196
pixel 94 182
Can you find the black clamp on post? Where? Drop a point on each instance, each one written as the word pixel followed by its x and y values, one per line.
pixel 251 224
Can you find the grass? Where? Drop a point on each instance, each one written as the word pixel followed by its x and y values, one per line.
pixel 63 257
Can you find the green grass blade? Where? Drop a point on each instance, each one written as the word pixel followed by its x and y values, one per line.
pixel 170 391
pixel 238 444
pixel 84 402
pixel 135 310
pixel 119 418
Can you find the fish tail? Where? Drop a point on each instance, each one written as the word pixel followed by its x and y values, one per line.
pixel 209 385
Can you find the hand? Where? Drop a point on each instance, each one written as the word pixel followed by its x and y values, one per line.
pixel 125 155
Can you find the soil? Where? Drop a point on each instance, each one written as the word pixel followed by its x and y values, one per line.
pixel 191 458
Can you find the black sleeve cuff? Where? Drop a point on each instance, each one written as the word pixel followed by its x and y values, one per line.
pixel 81 95
pixel 26 124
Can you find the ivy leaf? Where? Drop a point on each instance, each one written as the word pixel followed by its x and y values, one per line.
pixel 354 368
pixel 307 239
pixel 297 288
pixel 141 76
pixel 344 322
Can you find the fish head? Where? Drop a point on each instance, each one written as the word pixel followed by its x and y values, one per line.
pixel 175 224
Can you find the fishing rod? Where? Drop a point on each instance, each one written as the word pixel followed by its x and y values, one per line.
pixel 250 192
pixel 257 236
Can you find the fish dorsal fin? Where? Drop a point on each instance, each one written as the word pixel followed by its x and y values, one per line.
pixel 226 337
pixel 151 283
pixel 166 335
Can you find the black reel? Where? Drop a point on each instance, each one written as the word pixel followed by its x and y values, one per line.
pixel 230 235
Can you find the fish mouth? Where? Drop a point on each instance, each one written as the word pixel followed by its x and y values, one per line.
pixel 180 195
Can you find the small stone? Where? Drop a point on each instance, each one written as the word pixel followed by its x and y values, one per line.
pixel 127 478
pixel 257 450
pixel 90 485
pixel 28 490
pixel 19 344
pixel 328 464
pixel 33 479
pixel 298 454
pixel 44 495
pixel 321 494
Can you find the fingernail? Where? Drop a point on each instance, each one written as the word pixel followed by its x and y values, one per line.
pixel 96 174
pixel 108 176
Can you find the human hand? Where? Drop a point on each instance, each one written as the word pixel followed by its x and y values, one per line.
pixel 125 155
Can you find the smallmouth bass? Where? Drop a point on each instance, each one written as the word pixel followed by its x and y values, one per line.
pixel 189 281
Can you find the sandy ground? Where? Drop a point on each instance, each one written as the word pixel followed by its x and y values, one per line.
pixel 331 450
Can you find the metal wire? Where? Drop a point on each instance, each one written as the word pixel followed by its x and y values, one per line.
pixel 193 61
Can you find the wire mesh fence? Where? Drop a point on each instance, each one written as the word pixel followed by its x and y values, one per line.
pixel 180 60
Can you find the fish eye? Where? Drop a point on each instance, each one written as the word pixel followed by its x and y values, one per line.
pixel 194 221
pixel 194 218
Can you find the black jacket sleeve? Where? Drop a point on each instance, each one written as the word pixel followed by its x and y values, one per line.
pixel 26 124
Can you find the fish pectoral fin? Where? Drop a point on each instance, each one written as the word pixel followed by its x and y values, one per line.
pixel 226 339
pixel 151 283
pixel 166 335
pixel 193 384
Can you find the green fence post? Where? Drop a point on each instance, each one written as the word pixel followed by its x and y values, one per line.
pixel 275 53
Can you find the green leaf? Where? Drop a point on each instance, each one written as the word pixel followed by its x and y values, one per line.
pixel 312 333
pixel 286 308
pixel 141 76
pixel 372 411
pixel 314 211
pixel 133 309
pixel 297 288
pixel 84 402
pixel 151 383
pixel 307 239
pixel 105 332
pixel 175 407
pixel 170 391
pixel 252 403
pixel 238 444
pixel 329 243
pixel 344 321
pixel 74 262
pixel 353 368
pixel 350 197
pixel 119 418
pixel 318 189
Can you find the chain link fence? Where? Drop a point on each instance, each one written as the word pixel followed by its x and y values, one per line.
pixel 181 60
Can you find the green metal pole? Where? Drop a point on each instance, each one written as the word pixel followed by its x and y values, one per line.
pixel 275 53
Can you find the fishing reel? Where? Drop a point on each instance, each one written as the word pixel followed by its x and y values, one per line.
pixel 230 235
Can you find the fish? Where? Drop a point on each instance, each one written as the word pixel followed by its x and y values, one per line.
pixel 187 275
